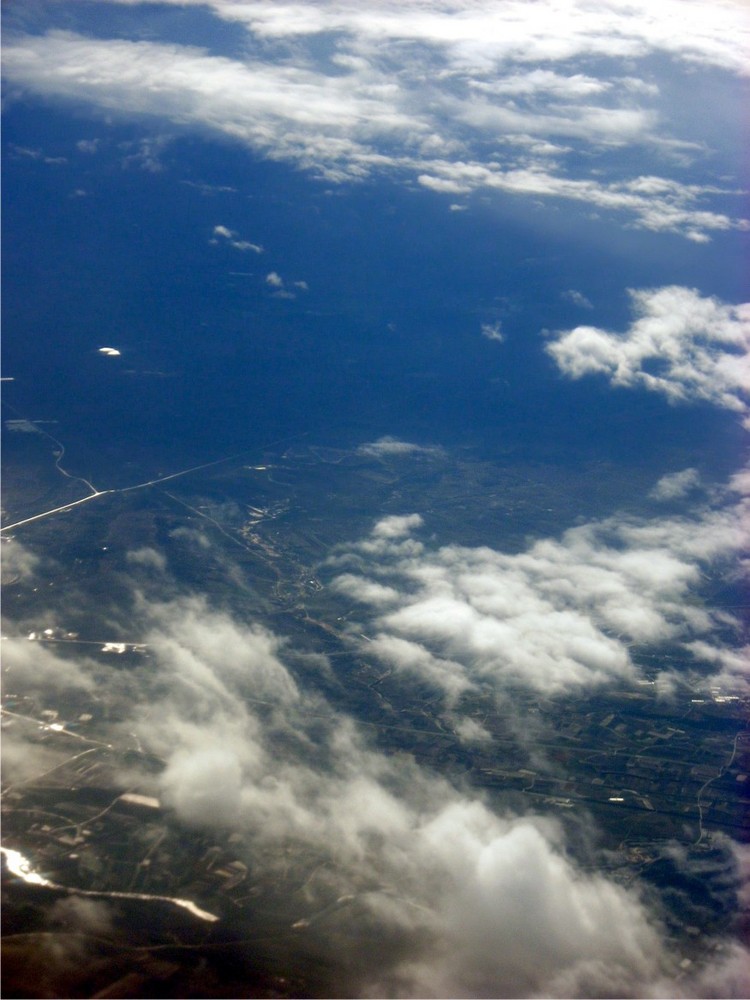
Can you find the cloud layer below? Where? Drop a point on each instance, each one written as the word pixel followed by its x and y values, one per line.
pixel 460 95
pixel 447 897
pixel 559 617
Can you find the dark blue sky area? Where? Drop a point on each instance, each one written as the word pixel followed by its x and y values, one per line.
pixel 101 250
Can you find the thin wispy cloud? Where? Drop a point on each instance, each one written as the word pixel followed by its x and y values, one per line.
pixel 493 331
pixel 231 237
pixel 463 96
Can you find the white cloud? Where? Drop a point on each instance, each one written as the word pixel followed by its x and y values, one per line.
pixel 18 562
pixel 462 94
pixel 275 280
pixel 496 31
pixel 397 526
pixel 231 236
pixel 460 900
pixel 387 446
pixel 676 485
pixel 148 558
pixel 685 346
pixel 560 616
pixel 477 902
pixel 30 665
pixel 578 299
pixel 493 331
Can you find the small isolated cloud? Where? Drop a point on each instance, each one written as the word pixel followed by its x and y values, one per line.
pixel 493 331
pixel 88 145
pixel 110 352
pixel 232 238
pixel 147 153
pixel 577 298
pixel 387 446
pixel 464 902
pixel 676 485
pixel 397 526
pixel 686 346
pixel 283 289
pixel 148 558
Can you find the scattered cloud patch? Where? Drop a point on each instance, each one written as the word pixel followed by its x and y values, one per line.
pixel 681 344
pixel 577 298
pixel 33 666
pixel 17 562
pixel 224 233
pixel 463 901
pixel 559 617
pixel 676 485
pixel 397 526
pixel 493 331
pixel 284 288
pixel 463 95
pixel 148 558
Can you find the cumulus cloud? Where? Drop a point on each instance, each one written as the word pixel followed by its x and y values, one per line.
pixel 479 904
pixel 462 94
pixel 274 280
pixel 560 616
pixel 397 526
pixel 461 901
pixel 681 344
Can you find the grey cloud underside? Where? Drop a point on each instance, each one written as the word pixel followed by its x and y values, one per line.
pixel 461 96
